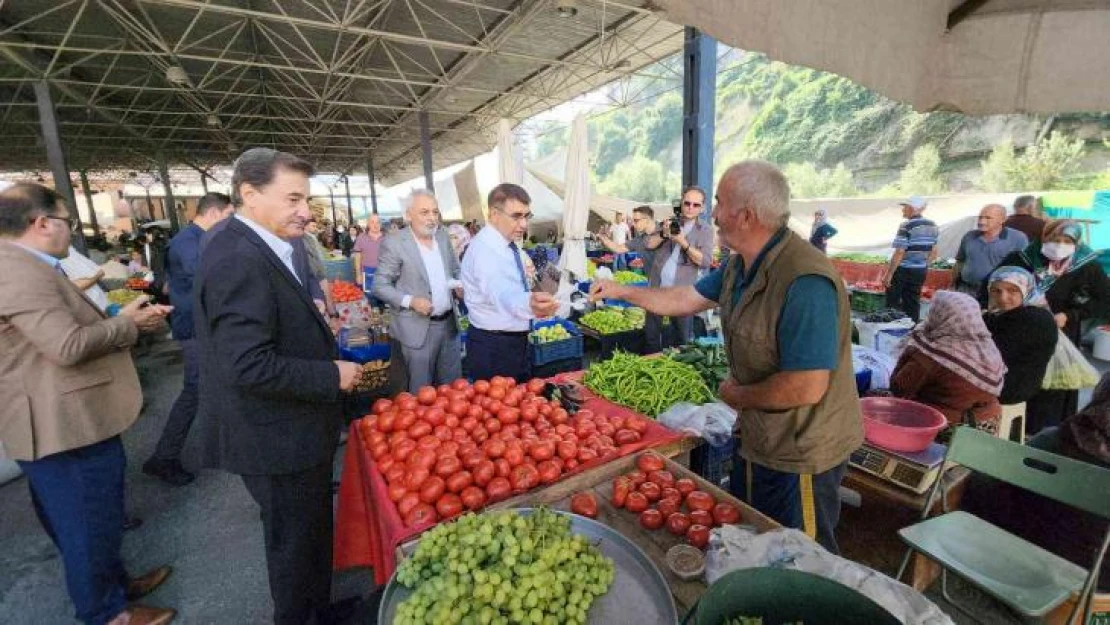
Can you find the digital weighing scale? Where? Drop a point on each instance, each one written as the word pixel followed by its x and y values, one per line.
pixel 915 471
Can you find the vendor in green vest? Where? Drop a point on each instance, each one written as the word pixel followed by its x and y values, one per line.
pixel 785 318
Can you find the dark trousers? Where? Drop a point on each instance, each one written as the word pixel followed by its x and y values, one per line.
pixel 78 497
pixel 1047 408
pixel 905 291
pixel 297 528
pixel 184 409
pixel 489 354
pixel 810 503
pixel 659 336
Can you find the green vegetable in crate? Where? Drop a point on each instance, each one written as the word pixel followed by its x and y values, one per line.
pixel 647 385
pixel 123 297
pixel 614 320
pixel 628 277
pixel 709 360
pixel 502 567
pixel 869 259
pixel 550 333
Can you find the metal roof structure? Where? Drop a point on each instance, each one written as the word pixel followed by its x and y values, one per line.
pixel 334 81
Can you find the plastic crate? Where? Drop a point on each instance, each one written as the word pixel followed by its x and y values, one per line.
pixel 633 341
pixel 558 366
pixel 543 353
pixel 340 269
pixel 867 301
pixel 863 381
pixel 365 353
pixel 714 463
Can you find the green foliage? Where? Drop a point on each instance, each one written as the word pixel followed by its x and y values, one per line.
pixel 642 179
pixel 921 176
pixel 806 181
pixel 659 127
pixel 1045 165
pixel 552 140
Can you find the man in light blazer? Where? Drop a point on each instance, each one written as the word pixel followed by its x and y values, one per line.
pixel 68 388
pixel 417 276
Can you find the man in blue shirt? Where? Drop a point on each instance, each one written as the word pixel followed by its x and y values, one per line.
pixel 982 249
pixel 915 247
pixel 785 319
pixel 181 266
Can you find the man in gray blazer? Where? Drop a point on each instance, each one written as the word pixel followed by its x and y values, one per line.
pixel 417 276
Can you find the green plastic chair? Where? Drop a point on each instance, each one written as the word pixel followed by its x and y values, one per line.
pixel 1023 576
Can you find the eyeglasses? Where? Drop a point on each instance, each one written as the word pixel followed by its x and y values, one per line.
pixel 74 223
pixel 693 204
pixel 521 217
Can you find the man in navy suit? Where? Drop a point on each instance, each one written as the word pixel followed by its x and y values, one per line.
pixel 270 377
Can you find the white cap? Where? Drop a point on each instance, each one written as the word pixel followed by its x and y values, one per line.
pixel 915 202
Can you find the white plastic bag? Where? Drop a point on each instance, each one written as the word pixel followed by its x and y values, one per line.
pixel 880 365
pixel 713 421
pixel 1068 368
pixel 869 331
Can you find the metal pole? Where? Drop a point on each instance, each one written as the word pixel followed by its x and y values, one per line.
pixel 331 196
pixel 168 204
pixel 204 182
pixel 56 155
pixel 350 208
pixel 370 175
pixel 699 89
pixel 89 202
pixel 426 148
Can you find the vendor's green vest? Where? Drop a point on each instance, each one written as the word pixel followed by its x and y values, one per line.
pixel 809 439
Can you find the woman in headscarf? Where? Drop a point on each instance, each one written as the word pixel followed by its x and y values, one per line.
pixel 460 238
pixel 1071 281
pixel 822 230
pixel 1025 335
pixel 951 363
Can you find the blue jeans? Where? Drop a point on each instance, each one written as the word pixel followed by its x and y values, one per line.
pixel 78 497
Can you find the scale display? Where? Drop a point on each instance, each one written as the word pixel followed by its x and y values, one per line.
pixel 913 471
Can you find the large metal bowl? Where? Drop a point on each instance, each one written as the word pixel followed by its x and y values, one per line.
pixel 639 593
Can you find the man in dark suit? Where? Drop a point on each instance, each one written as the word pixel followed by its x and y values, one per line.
pixel 270 379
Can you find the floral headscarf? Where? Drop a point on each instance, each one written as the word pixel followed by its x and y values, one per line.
pixel 1046 271
pixel 955 337
pixel 1016 276
pixel 460 235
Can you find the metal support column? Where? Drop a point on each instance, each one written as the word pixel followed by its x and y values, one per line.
pixel 56 155
pixel 204 183
pixel 168 203
pixel 89 202
pixel 331 198
pixel 699 96
pixel 370 175
pixel 426 148
pixel 350 207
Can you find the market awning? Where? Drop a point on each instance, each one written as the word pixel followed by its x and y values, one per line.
pixel 974 56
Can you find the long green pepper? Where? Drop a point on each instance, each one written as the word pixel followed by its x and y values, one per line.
pixel 649 386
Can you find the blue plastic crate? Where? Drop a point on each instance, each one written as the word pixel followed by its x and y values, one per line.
pixel 365 353
pixel 584 286
pixel 339 269
pixel 543 353
pixel 863 381
pixel 714 463
pixel 616 303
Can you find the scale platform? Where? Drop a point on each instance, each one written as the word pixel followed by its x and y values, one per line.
pixel 913 471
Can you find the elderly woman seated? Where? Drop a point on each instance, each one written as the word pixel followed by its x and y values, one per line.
pixel 1025 335
pixel 952 364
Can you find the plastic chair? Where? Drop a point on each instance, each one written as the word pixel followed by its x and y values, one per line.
pixel 1011 425
pixel 1023 576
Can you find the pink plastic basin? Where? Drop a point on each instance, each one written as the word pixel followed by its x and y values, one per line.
pixel 900 424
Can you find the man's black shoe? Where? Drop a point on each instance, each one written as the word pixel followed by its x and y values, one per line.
pixel 169 471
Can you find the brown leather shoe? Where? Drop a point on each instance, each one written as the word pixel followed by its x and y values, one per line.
pixel 145 615
pixel 145 584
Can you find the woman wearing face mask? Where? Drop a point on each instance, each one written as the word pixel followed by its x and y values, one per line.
pixel 1025 335
pixel 1069 277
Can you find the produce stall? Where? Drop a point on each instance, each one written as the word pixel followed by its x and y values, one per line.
pixel 867 271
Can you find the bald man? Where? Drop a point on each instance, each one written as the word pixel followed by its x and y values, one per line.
pixel 982 249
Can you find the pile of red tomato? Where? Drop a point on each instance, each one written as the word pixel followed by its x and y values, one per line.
pixel 343 292
pixel 461 446
pixel 653 492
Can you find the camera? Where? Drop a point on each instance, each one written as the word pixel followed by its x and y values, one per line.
pixel 673 226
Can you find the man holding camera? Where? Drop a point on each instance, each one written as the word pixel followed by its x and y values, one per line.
pixel 643 222
pixel 682 247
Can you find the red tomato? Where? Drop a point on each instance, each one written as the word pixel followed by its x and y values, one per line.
pixel 524 478
pixel 407 503
pixel 458 407
pixel 567 450
pixel 468 424
pixel 483 472
pixel 636 478
pixel 636 502
pixel 549 471
pixel 636 423
pixel 475 411
pixel 459 481
pixel 426 395
pixel 698 535
pixel 559 415
pixel 667 507
pixel 376 437
pixel 420 429
pixel 481 387
pixel 432 489
pixel 444 433
pixel 405 401
pixel 496 392
pixel 385 463
pixel 685 486
pixel 626 437
pixel 651 490
pixel 472 459
pixel 451 421
pixel 381 405
pixel 473 497
pixel 700 500
pixel 678 523
pixel 668 492
pixel 386 421
pixel 493 448
pixel 542 450
pixel 492 425
pixel 460 384
pixel 701 517
pixel 571 464
pixel 535 385
pixel 508 415
pixel 514 455
pixel 586 455
pixel 435 416
pixel 529 413
pixel 480 435
pixel 725 513
pixel 504 469
pixel 422 458
pixel 379 450
pixel 584 504
pixel 449 505
pixel 663 478
pixel 448 466
pixel 415 479
pixel 396 474
pixel 448 448
pixel 421 514
pixel 621 486
pixel 428 442
pixel 396 492
pixel 498 489
pixel 651 519
pixel 606 430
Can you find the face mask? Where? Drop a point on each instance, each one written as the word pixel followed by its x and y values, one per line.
pixel 1057 251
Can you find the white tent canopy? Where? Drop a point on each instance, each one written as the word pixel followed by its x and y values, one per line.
pixel 999 56
pixel 577 202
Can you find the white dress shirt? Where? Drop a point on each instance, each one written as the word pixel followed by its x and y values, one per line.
pixel 437 278
pixel 281 247
pixel 493 290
